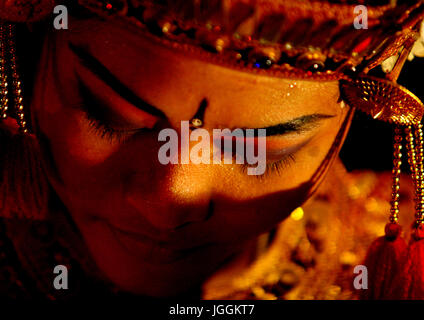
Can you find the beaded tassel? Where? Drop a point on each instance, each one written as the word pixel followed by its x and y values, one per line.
pixel 24 190
pixel 397 161
pixel 385 253
pixel 419 171
pixel 9 73
pixel 17 85
pixel 409 283
pixel 3 76
pixel 415 158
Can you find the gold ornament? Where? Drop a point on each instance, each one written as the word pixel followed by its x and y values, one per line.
pixel 8 70
pixel 383 100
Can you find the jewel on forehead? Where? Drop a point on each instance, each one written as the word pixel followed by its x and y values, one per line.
pixel 196 123
pixel 197 120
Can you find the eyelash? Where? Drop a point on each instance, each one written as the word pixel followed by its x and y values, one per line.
pixel 273 167
pixel 280 165
pixel 101 127
pixel 105 131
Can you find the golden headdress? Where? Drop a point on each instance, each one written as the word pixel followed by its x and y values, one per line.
pixel 321 40
pixel 298 39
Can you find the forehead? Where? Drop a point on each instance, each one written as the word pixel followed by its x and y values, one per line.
pixel 173 80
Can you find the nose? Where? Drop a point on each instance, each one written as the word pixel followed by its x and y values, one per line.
pixel 172 196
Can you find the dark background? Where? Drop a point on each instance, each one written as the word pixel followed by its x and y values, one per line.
pixel 369 142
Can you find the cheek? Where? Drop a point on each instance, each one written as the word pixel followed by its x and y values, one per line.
pixel 73 138
pixel 309 160
pixel 86 170
pixel 290 174
pixel 312 157
pixel 75 151
pixel 257 205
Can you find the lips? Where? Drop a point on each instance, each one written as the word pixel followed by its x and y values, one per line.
pixel 151 250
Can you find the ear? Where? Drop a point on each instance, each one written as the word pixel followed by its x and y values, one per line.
pixel 24 190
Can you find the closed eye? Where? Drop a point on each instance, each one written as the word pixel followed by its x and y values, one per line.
pixel 297 125
pixel 275 167
pixel 101 72
pixel 105 121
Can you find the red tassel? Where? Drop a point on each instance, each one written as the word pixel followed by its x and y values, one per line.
pixel 24 190
pixel 409 283
pixel 383 262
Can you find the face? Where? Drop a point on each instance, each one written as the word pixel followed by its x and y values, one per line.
pixel 105 92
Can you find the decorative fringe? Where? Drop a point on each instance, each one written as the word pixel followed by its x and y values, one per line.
pixel 409 283
pixel 24 190
pixel 383 261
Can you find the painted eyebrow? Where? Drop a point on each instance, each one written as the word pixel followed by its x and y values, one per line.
pixel 297 125
pixel 114 83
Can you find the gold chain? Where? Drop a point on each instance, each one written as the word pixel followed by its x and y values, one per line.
pixel 419 215
pixel 415 158
pixel 397 156
pixel 3 76
pixel 17 85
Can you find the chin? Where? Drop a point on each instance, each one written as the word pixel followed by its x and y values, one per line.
pixel 159 281
pixel 133 267
pixel 160 288
pixel 138 275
